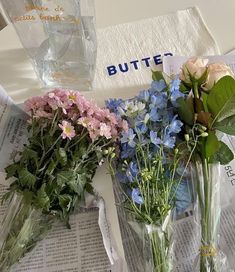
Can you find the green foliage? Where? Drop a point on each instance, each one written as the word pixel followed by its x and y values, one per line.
pixel 227 125
pixel 26 179
pixel 185 110
pixel 157 75
pixel 42 200
pixel 223 155
pixel 53 174
pixel 221 99
pixel 212 145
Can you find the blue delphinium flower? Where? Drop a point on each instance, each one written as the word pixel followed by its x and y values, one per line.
pixel 127 151
pixel 136 197
pixel 132 171
pixel 114 104
pixel 121 177
pixel 158 86
pixel 169 141
pixel 154 115
pixel 129 137
pixel 144 95
pixel 141 127
pixel 175 91
pixel 175 125
pixel 158 100
pixel 154 138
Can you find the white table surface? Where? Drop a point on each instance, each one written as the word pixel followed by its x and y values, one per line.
pixel 18 77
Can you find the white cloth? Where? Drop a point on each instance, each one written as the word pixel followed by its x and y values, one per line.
pixel 181 33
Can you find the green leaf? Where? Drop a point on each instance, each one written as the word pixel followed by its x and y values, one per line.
pixel 51 167
pixel 89 188
pixel 65 202
pixel 212 145
pixel 26 178
pixel 62 156
pixel 64 177
pixel 77 184
pixel 185 110
pixel 11 170
pixel 28 196
pixel 42 200
pixel 224 155
pixel 204 97
pixel 227 125
pixel 221 99
pixel 157 75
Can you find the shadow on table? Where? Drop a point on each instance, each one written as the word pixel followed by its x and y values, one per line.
pixel 17 75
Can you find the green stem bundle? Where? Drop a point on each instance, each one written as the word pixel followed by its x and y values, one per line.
pixel 161 244
pixel 22 227
pixel 208 197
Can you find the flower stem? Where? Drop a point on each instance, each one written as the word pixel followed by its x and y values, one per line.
pixel 207 190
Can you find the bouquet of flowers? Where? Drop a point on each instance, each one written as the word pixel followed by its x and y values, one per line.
pixel 150 164
pixel 173 126
pixel 207 110
pixel 68 138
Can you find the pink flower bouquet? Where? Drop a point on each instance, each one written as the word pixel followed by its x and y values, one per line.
pixel 69 137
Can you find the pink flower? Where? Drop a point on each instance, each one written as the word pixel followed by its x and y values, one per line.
pixel 124 125
pixel 42 114
pixel 35 103
pixel 68 130
pixel 105 131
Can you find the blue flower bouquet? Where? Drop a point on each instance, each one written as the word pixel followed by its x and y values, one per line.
pixel 150 165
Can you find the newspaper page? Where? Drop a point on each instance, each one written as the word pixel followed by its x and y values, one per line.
pixel 187 243
pixel 88 245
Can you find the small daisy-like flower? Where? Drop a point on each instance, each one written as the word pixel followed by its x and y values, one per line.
pixel 68 130
pixel 105 131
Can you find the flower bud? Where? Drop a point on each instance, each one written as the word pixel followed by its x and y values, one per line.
pixel 204 134
pixel 106 152
pixel 186 136
pixel 203 128
pixel 193 70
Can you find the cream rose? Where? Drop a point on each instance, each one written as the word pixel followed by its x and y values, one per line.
pixel 194 68
pixel 215 72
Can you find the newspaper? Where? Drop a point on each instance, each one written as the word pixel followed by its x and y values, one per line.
pixel 187 243
pixel 88 246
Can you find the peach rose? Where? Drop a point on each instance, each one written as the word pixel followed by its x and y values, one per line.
pixel 215 72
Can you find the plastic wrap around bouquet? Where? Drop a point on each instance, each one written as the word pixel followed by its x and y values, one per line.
pixel 173 127
pixel 68 139
pixel 150 166
pixel 208 110
pixel 59 37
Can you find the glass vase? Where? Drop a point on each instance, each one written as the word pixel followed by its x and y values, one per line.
pixel 20 230
pixel 59 37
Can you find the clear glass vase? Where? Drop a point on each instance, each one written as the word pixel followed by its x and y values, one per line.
pixel 22 227
pixel 207 181
pixel 59 37
pixel 158 247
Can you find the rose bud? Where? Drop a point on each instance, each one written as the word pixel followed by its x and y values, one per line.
pixel 193 70
pixel 215 72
